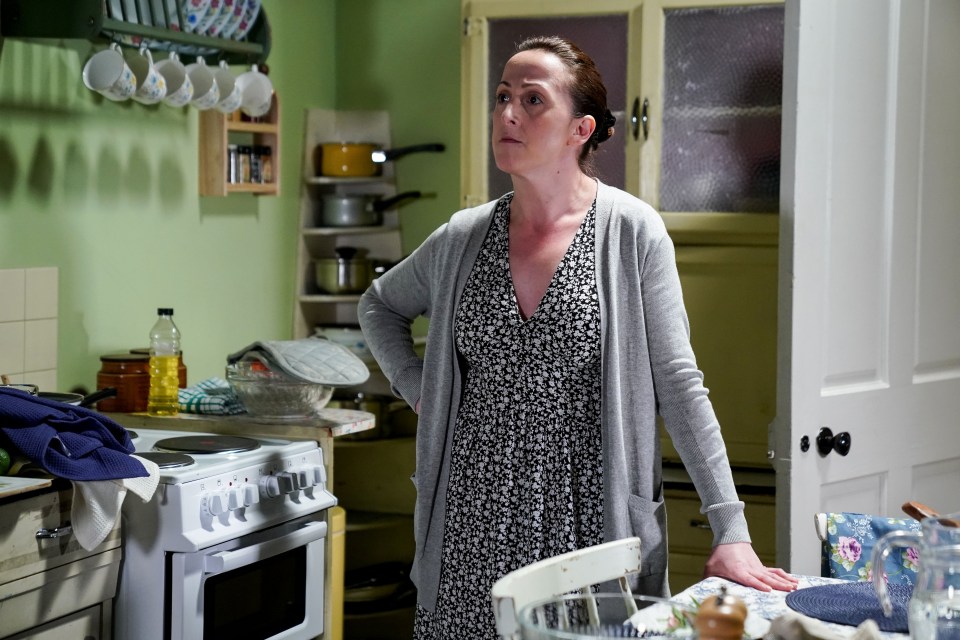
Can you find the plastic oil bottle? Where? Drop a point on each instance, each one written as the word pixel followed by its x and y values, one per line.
pixel 164 364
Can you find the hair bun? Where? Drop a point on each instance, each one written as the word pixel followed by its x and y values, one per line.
pixel 605 127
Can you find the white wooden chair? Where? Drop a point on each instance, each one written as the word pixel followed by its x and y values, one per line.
pixel 559 575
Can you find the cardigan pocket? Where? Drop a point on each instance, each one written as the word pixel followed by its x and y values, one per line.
pixel 648 520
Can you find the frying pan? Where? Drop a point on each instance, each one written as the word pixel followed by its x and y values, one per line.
pixel 75 399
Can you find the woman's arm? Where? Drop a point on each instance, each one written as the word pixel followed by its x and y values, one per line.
pixel 386 313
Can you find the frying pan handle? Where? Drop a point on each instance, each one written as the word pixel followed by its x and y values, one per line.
pixel 393 154
pixel 97 396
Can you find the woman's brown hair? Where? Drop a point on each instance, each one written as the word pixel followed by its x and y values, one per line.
pixel 587 91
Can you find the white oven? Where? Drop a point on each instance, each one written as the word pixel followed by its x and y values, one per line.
pixel 232 543
pixel 267 584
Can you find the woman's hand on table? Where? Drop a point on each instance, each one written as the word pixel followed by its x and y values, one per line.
pixel 738 561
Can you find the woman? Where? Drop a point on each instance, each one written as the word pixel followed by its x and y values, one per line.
pixel 557 331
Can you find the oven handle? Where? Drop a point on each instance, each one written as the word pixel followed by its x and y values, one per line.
pixel 229 560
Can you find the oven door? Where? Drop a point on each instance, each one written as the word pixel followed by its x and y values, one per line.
pixel 268 584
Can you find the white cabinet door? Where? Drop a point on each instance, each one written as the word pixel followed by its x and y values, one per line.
pixel 869 335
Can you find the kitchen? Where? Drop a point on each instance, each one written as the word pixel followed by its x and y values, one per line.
pixel 107 192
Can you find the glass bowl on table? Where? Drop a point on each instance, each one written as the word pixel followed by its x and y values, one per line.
pixel 269 394
pixel 568 618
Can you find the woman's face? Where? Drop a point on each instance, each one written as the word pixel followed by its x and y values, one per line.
pixel 533 124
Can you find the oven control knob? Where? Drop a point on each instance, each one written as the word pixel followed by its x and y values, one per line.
pixel 216 503
pixel 319 475
pixel 269 487
pixel 234 498
pixel 251 495
pixel 305 479
pixel 288 481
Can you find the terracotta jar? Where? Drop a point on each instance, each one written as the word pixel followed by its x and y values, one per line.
pixel 129 373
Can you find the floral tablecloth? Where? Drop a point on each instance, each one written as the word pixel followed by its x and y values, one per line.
pixel 762 606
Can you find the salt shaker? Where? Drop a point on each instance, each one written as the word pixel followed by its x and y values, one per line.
pixel 721 617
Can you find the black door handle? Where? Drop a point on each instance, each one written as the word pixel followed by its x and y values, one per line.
pixel 827 442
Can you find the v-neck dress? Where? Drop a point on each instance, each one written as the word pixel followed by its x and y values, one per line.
pixel 526 479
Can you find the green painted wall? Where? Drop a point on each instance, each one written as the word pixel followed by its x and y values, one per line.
pixel 108 193
pixel 404 57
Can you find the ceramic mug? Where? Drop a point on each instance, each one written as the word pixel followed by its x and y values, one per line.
pixel 230 95
pixel 257 91
pixel 151 85
pixel 206 93
pixel 107 73
pixel 179 86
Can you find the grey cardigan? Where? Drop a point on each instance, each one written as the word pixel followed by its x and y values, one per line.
pixel 647 366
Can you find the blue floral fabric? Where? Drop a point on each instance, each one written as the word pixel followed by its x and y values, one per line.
pixel 847 550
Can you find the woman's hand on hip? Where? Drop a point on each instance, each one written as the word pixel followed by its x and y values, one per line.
pixel 738 561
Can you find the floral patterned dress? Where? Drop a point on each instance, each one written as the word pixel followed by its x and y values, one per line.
pixel 526 477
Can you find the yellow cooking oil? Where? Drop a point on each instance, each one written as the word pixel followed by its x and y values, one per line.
pixel 164 384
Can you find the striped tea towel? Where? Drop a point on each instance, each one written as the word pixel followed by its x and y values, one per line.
pixel 212 396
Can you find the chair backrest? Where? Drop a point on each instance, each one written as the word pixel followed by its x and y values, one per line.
pixel 847 541
pixel 568 572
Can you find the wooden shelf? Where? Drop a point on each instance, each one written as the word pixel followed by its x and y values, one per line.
pixel 215 131
pixel 349 231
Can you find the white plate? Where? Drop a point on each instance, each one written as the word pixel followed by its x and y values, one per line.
pixel 193 13
pixel 216 8
pixel 146 14
pixel 116 11
pixel 250 13
pixel 174 15
pixel 130 11
pixel 233 20
pixel 217 25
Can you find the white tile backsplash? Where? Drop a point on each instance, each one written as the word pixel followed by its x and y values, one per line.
pixel 11 347
pixel 40 297
pixel 40 345
pixel 28 325
pixel 12 298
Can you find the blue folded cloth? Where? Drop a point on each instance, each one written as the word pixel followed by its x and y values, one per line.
pixel 68 441
pixel 212 396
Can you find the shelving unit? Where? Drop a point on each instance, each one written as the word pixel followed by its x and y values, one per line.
pixel 314 307
pixel 217 130
pixel 372 483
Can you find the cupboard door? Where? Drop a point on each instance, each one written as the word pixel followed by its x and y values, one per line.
pixel 731 298
pixel 712 81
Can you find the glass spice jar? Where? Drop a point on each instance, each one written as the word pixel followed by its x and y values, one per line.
pixel 266 164
pixel 245 153
pixel 255 164
pixel 233 164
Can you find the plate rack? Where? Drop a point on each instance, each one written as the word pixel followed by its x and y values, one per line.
pixel 98 21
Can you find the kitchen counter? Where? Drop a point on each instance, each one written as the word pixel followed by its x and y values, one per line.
pixel 329 423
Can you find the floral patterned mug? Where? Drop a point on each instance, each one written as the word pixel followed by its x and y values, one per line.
pixel 107 73
pixel 151 85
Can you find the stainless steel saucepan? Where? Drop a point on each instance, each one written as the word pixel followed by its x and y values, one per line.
pixel 360 210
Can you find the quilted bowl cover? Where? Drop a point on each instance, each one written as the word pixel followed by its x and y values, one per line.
pixel 313 359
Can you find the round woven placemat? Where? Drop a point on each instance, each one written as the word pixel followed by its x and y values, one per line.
pixel 851 603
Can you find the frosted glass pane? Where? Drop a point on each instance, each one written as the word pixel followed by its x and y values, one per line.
pixel 723 76
pixel 604 38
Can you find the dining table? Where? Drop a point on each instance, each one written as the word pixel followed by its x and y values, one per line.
pixel 763 607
